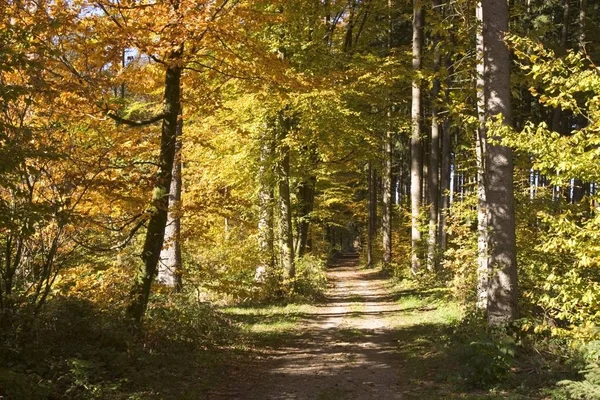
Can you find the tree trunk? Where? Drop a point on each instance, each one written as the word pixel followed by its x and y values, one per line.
pixel 580 189
pixel 306 196
pixel 415 142
pixel 350 27
pixel 445 182
pixel 372 217
pixel 286 239
pixel 265 200
pixel 386 173
pixel 155 233
pixel 169 269
pixel 502 301
pixel 480 144
pixel 434 160
pixel 386 198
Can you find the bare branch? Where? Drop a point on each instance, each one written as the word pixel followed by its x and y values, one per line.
pixel 129 122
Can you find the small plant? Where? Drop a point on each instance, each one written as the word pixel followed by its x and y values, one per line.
pixel 310 281
pixel 486 356
pixel 589 387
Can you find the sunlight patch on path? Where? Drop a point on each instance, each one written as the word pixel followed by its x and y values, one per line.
pixel 343 349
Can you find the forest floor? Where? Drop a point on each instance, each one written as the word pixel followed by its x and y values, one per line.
pixel 370 339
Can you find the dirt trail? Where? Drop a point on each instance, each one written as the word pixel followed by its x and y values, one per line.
pixel 345 349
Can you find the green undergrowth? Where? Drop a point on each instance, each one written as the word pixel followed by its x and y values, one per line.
pixel 448 353
pixel 75 350
pixel 268 324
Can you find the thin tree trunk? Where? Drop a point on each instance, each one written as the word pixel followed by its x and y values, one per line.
pixel 386 173
pixel 415 142
pixel 155 233
pixel 480 144
pixel 434 159
pixel 580 189
pixel 372 218
pixel 286 238
pixel 582 18
pixel 306 196
pixel 445 183
pixel 502 301
pixel 265 200
pixel 350 27
pixel 170 266
pixel 386 198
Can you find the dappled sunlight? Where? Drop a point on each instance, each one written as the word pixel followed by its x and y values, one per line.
pixel 353 346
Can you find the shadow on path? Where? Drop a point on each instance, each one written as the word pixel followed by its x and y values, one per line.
pixel 349 347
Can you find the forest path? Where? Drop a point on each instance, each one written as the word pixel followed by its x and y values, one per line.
pixel 343 349
pixel 359 344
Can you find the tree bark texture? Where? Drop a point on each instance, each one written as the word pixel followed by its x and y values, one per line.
pixel 306 196
pixel 415 142
pixel 158 212
pixel 502 263
pixel 170 266
pixel 446 161
pixel 286 239
pixel 434 160
pixel 480 144
pixel 266 236
pixel 386 197
pixel 372 213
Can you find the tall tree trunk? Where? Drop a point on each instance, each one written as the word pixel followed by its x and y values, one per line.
pixel 350 27
pixel 265 200
pixel 286 238
pixel 306 197
pixel 480 144
pixel 169 269
pixel 372 217
pixel 386 173
pixel 559 119
pixel 444 194
pixel 580 189
pixel 386 197
pixel 502 301
pixel 155 233
pixel 434 158
pixel 446 161
pixel 415 142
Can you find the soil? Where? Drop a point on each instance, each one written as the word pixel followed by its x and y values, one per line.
pixel 345 349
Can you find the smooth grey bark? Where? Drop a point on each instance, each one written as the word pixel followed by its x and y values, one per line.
pixel 434 159
pixel 266 236
pixel 170 265
pixel 415 141
pixel 502 303
pixel 480 144
pixel 157 221
pixel 286 237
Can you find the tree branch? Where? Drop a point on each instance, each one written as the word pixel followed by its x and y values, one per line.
pixel 137 122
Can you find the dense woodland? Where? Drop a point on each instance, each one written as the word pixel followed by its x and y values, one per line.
pixel 161 159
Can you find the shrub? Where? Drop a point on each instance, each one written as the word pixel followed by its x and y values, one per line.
pixel 310 281
pixel 589 387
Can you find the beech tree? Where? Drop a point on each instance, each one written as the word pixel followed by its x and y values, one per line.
pixel 502 296
pixel 415 141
